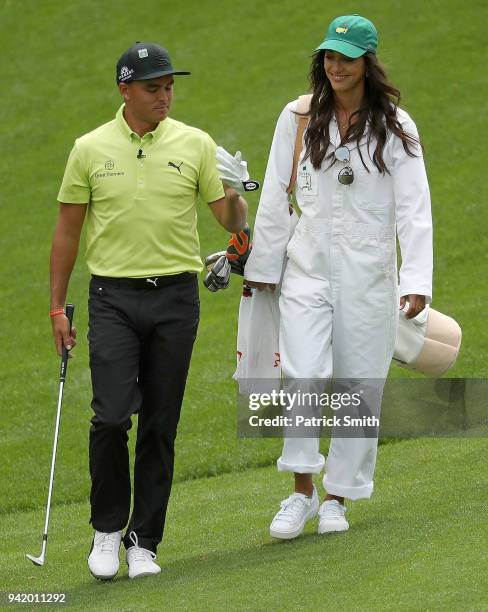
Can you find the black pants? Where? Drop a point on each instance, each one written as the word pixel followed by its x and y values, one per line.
pixel 141 339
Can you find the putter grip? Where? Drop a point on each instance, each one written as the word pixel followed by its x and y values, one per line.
pixel 70 311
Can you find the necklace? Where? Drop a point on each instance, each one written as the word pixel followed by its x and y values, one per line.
pixel 343 124
pixel 343 154
pixel 346 120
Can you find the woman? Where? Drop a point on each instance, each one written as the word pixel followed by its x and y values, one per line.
pixel 361 179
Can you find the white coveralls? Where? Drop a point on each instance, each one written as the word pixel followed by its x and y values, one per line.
pixel 339 297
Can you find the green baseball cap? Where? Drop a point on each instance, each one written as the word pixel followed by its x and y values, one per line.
pixel 351 35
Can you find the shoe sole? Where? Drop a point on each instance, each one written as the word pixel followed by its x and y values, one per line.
pixel 144 575
pixel 331 530
pixel 280 535
pixel 103 578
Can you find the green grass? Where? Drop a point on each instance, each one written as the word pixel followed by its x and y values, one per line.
pixel 248 59
pixel 416 545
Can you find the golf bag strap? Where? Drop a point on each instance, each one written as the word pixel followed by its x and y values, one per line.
pixel 302 107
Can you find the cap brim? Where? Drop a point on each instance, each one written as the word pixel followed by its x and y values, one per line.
pixel 341 46
pixel 160 73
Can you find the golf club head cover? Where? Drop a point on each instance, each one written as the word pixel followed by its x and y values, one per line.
pixel 212 259
pixel 238 249
pixel 220 264
pixel 218 277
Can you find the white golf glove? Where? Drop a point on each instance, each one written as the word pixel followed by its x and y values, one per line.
pixel 233 171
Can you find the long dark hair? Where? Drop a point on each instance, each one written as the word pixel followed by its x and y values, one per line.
pixel 381 100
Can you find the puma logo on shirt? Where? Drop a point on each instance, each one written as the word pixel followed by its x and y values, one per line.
pixel 175 166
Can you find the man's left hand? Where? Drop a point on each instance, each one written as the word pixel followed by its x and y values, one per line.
pixel 416 303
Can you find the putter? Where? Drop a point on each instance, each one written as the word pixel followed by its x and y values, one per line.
pixel 70 309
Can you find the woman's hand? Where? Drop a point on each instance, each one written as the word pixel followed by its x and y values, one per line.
pixel 416 303
pixel 261 286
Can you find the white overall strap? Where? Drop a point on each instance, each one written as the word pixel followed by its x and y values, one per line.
pixel 302 107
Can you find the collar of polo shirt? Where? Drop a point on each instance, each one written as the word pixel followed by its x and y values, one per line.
pixel 124 127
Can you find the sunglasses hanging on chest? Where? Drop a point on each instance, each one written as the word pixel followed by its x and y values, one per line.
pixel 346 174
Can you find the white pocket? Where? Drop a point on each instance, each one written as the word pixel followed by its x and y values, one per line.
pixel 307 180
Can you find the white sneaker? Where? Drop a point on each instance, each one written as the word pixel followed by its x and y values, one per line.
pixel 295 511
pixel 140 560
pixel 331 517
pixel 103 560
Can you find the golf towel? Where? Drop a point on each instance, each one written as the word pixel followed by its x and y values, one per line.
pixel 258 354
pixel 258 357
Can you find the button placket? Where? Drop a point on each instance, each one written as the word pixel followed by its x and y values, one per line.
pixel 141 168
pixel 337 231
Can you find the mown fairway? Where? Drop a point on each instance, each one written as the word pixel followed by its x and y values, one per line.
pixel 419 543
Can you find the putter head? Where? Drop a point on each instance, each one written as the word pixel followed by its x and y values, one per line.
pixel 36 560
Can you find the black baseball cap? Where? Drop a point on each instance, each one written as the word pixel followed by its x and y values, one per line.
pixel 144 61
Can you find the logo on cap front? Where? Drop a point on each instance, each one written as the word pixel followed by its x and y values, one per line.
pixel 341 30
pixel 142 53
pixel 125 73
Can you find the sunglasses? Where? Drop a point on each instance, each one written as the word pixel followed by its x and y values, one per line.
pixel 346 175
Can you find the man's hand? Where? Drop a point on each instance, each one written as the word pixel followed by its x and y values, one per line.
pixel 61 335
pixel 416 303
pixel 261 286
pixel 233 171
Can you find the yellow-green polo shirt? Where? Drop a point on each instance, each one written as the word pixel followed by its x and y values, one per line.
pixel 142 214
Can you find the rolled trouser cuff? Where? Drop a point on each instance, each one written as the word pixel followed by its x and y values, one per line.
pixel 301 468
pixel 362 492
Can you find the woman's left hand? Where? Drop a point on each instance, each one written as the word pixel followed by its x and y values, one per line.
pixel 416 303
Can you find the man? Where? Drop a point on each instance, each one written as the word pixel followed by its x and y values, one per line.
pixel 136 180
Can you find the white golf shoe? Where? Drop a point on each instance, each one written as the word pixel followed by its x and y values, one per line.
pixel 295 511
pixel 331 517
pixel 103 560
pixel 140 560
